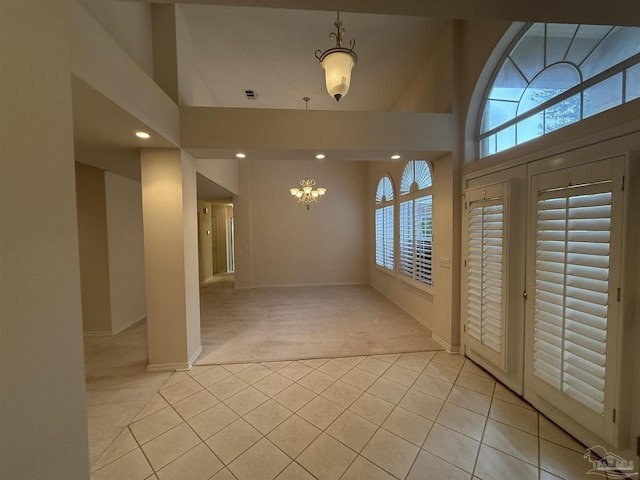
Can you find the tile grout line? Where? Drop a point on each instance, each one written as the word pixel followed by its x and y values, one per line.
pixel 334 379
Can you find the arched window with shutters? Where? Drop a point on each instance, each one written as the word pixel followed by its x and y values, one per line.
pixel 556 75
pixel 416 223
pixel 384 224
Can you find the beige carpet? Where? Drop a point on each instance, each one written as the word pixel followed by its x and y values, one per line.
pixel 287 323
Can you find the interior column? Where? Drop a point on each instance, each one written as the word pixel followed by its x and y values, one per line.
pixel 43 427
pixel 169 207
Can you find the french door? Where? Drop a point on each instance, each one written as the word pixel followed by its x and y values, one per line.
pixel 573 281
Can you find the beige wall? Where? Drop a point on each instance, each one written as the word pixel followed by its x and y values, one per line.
pixel 94 250
pixel 43 427
pixel 111 250
pixel 279 242
pixel 431 89
pixel 126 251
pixel 435 310
pixel 129 24
pixel 205 251
pixel 446 320
pixel 415 302
pixel 224 172
pixel 99 61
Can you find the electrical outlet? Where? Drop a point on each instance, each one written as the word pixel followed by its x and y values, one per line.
pixel 445 262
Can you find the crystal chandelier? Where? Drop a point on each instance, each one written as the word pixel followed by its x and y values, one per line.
pixel 307 194
pixel 337 63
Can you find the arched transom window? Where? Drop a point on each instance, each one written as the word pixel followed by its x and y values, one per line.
pixel 556 75
pixel 416 221
pixel 384 224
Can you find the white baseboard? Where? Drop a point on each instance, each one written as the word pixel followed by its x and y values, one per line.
pixel 447 346
pixel 127 325
pixel 289 285
pixel 109 333
pixel 175 367
pixel 105 333
pixel 195 356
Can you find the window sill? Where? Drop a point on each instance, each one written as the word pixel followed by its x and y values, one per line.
pixel 386 271
pixel 422 287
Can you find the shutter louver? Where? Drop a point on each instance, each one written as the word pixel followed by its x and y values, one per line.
pixel 422 229
pixel 416 223
pixel 572 290
pixel 388 237
pixel 380 237
pixel 384 224
pixel 485 280
pixel 406 238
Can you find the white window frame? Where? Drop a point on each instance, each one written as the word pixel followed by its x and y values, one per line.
pixel 488 138
pixel 416 185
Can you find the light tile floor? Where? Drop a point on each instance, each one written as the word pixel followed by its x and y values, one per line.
pixel 415 416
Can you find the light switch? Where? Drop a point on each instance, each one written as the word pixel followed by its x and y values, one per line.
pixel 445 262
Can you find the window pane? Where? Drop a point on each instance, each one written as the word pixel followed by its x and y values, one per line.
pixel 603 96
pixel 559 38
pixel 620 44
pixel 506 138
pixel 587 38
pixel 408 178
pixel 496 112
pixel 633 83
pixel 423 174
pixel 509 84
pixel 488 146
pixel 550 83
pixel 384 192
pixel 530 128
pixel 547 61
pixel 529 53
pixel 562 114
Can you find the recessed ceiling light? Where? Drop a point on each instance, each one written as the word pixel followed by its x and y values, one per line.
pixel 142 134
pixel 395 157
pixel 320 156
pixel 240 155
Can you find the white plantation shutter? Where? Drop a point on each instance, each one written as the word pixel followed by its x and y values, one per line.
pixel 572 286
pixel 384 224
pixel 406 238
pixel 485 273
pixel 423 213
pixel 416 223
pixel 380 237
pixel 575 235
pixel 388 238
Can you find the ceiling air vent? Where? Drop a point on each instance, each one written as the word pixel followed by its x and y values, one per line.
pixel 250 94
